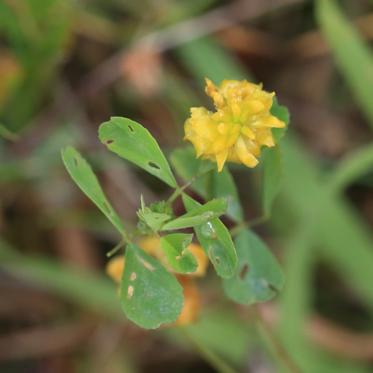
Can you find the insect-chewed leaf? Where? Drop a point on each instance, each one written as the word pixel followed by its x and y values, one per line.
pixel 216 240
pixel 214 184
pixel 175 247
pixel 150 295
pixel 198 215
pixel 81 172
pixel 258 276
pixel 131 141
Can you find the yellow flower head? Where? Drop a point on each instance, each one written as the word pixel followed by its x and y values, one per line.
pixel 238 128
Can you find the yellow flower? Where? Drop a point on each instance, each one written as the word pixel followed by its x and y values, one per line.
pixel 238 128
pixel 151 245
pixel 115 268
pixel 192 301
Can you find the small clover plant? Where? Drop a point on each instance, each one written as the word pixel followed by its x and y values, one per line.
pixel 161 260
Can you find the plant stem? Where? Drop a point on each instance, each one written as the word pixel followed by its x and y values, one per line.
pixel 278 350
pixel 248 224
pixel 116 248
pixel 179 190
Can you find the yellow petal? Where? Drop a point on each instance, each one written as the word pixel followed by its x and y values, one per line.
pixel 221 158
pixel 248 132
pixel 244 155
pixel 272 121
pixel 212 91
pixel 223 128
pixel 236 109
pixel 219 145
pixel 264 137
pixel 255 106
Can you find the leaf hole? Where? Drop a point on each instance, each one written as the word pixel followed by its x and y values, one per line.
pixel 217 260
pixel 108 142
pixel 131 128
pixel 130 291
pixel 154 165
pixel 272 287
pixel 133 276
pixel 244 271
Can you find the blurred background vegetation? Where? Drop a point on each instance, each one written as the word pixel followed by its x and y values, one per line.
pixel 68 65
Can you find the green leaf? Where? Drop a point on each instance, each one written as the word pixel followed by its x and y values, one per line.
pixel 281 112
pixel 199 215
pixel 150 295
pixel 271 161
pixel 131 141
pixel 272 175
pixel 154 220
pixel 353 56
pixel 81 172
pixel 216 241
pixel 213 185
pixel 258 276
pixel 175 247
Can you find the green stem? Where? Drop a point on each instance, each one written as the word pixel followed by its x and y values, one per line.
pixel 248 224
pixel 125 237
pixel 116 248
pixel 179 190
